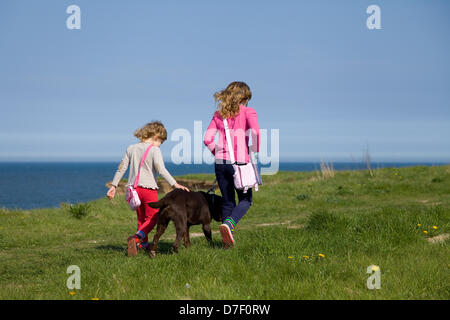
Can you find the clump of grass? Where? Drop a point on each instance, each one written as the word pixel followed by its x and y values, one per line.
pixel 367 162
pixel 326 170
pixel 342 191
pixel 79 210
pixel 334 200
pixel 303 196
pixel 437 180
pixel 428 231
pixel 323 220
pixel 308 258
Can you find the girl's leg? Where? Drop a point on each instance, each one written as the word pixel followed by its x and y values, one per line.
pixel 133 241
pixel 224 175
pixel 245 201
pixel 147 215
pixel 140 219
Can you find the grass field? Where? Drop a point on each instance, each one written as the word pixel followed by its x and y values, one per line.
pixel 352 220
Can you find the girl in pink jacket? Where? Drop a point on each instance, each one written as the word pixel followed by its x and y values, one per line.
pixel 242 122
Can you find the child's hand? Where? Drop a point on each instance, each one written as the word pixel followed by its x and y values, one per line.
pixel 179 186
pixel 111 193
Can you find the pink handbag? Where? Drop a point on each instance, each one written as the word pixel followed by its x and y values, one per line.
pixel 245 176
pixel 131 196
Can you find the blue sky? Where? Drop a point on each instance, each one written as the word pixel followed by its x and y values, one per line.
pixel 331 86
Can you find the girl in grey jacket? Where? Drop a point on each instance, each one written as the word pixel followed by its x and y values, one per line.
pixel 152 135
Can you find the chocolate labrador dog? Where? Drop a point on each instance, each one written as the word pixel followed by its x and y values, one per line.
pixel 186 209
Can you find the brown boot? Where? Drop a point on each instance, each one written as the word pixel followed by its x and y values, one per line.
pixel 133 244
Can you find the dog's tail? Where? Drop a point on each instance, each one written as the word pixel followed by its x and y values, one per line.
pixel 166 200
pixel 157 204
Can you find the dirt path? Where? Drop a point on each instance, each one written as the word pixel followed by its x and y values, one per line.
pixel 439 239
pixel 200 234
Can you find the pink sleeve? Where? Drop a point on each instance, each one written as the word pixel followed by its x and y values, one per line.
pixel 210 135
pixel 252 122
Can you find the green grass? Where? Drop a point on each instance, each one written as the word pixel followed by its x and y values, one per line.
pixel 353 219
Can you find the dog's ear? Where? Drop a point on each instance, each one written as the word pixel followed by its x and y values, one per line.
pixel 209 200
pixel 207 197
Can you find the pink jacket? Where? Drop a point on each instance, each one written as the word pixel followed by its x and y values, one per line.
pixel 244 124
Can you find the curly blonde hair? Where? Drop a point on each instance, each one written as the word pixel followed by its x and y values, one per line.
pixel 230 99
pixel 153 129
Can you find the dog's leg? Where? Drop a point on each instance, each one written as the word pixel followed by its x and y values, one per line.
pixel 207 231
pixel 187 242
pixel 163 221
pixel 180 227
pixel 180 234
pixel 206 225
pixel 176 244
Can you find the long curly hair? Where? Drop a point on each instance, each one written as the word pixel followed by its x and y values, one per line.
pixel 230 99
pixel 153 129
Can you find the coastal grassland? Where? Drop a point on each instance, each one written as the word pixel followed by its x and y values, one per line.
pixel 303 238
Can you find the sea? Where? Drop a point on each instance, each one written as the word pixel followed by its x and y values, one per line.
pixel 47 184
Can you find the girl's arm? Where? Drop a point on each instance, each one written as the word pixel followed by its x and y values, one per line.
pixel 252 122
pixel 123 166
pixel 210 135
pixel 158 163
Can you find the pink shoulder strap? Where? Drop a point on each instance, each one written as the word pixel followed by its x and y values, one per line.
pixel 136 181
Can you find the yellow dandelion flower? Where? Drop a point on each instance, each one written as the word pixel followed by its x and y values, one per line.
pixel 321 255
pixel 72 293
pixel 396 173
pixel 290 257
pixel 435 227
pixel 425 231
pixel 95 299
pixel 305 257
pixel 419 225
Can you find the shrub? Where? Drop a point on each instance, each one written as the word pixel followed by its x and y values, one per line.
pixel 342 191
pixel 437 180
pixel 79 210
pixel 326 221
